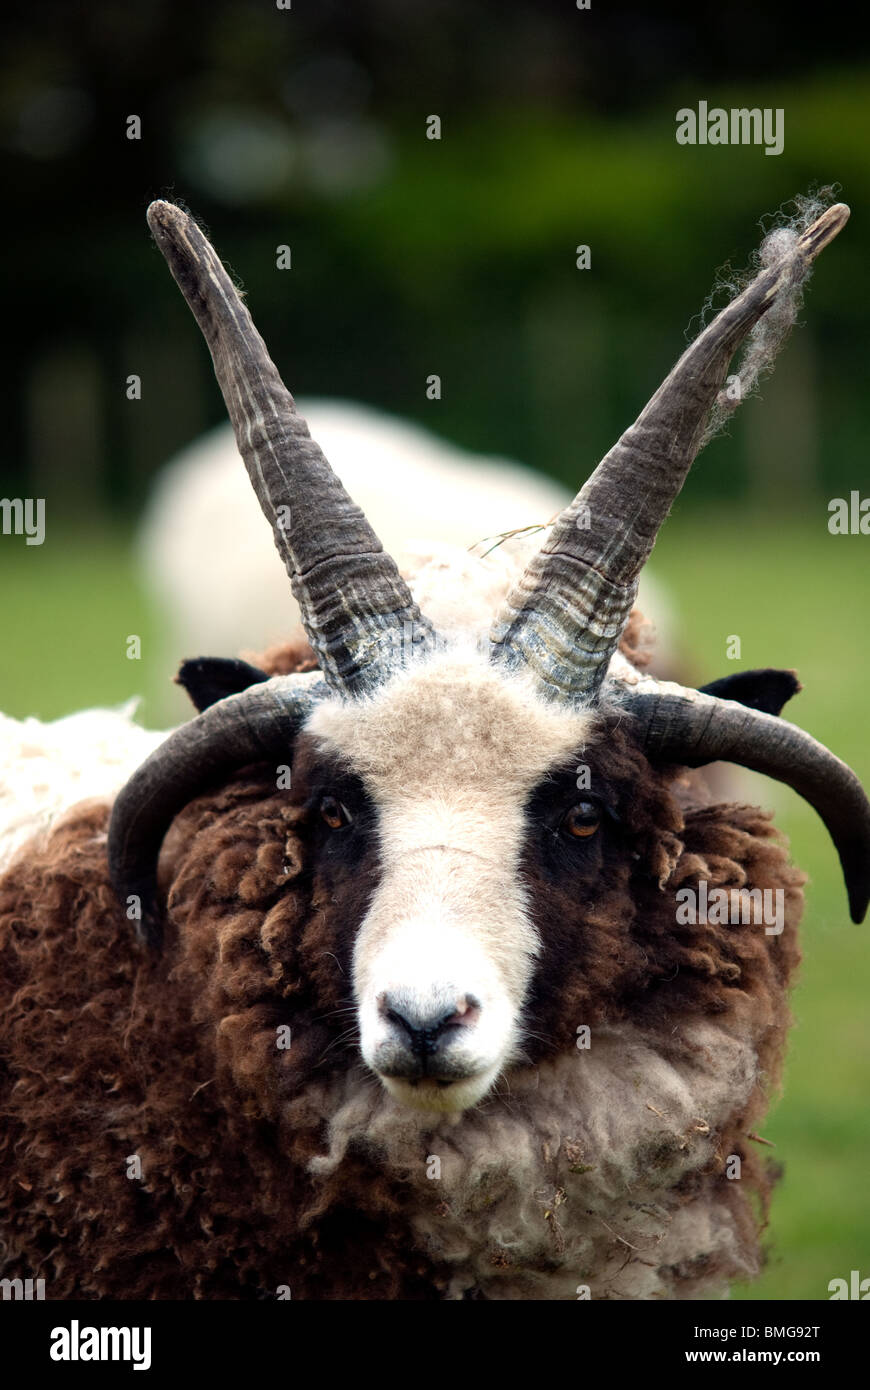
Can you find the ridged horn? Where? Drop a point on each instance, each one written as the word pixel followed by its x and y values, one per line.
pixel 357 610
pixel 257 725
pixel 564 618
pixel 685 726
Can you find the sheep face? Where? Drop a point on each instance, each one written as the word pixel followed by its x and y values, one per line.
pixel 439 767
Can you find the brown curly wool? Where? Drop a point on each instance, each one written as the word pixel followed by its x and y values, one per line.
pixel 111 1056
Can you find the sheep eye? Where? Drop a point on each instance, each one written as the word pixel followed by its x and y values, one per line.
pixel 582 820
pixel 334 813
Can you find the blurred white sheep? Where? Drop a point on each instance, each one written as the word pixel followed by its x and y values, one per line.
pixel 221 590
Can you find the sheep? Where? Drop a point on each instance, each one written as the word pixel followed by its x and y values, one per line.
pixel 417 491
pixel 377 978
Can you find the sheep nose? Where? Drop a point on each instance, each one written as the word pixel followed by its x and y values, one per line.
pixel 427 1030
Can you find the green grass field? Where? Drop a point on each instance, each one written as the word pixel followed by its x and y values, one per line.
pixel 795 596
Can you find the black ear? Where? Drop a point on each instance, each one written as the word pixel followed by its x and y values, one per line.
pixel 208 679
pixel 767 690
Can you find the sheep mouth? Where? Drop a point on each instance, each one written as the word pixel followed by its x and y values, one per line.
pixel 441 1095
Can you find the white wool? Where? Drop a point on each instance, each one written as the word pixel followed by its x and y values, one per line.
pixel 461 590
pixel 565 1176
pixel 46 768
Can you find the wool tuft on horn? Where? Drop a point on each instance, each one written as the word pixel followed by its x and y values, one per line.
pixel 781 245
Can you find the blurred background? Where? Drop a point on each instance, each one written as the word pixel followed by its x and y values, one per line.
pixel 307 128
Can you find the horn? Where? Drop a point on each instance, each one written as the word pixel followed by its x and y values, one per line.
pixel 356 608
pixel 564 618
pixel 254 726
pixel 685 726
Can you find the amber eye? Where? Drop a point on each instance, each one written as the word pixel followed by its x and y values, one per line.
pixel 334 813
pixel 582 820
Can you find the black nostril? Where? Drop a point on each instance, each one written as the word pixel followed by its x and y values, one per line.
pixel 425 1035
pixel 423 1038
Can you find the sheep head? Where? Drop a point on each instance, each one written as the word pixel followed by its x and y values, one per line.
pixel 453 768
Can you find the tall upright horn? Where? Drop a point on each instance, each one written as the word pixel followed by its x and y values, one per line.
pixel 564 618
pixel 356 608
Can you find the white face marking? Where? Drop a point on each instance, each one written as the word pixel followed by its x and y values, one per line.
pixel 448 751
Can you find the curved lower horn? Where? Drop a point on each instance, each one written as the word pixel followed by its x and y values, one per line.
pixel 356 608
pixel 256 725
pixel 684 726
pixel 564 619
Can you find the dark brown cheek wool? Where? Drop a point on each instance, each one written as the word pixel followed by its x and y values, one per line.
pixel 160 1139
pixel 155 1137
